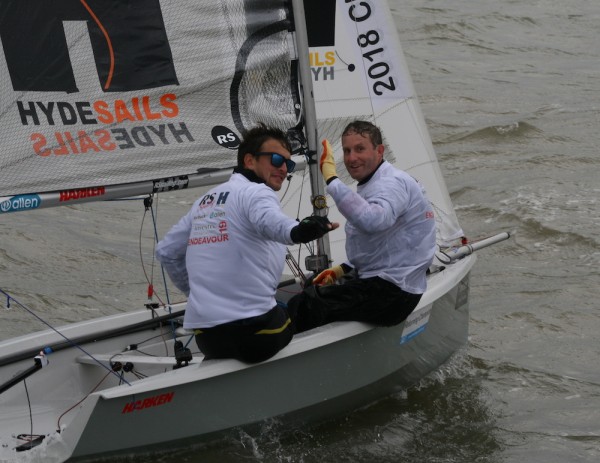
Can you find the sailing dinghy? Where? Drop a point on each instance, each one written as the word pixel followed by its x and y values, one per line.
pixel 105 100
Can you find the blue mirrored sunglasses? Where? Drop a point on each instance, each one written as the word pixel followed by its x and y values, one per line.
pixel 277 160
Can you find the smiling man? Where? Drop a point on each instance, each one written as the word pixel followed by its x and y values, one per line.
pixel 227 254
pixel 390 239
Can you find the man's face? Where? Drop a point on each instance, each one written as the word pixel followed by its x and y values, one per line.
pixel 262 167
pixel 361 157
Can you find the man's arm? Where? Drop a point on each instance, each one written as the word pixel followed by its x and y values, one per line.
pixel 171 251
pixel 379 213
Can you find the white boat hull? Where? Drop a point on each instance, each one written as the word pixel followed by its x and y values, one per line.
pixel 322 373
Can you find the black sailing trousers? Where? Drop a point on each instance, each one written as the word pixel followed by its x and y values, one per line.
pixel 250 340
pixel 372 300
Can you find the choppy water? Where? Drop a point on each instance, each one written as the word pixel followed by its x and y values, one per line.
pixel 511 92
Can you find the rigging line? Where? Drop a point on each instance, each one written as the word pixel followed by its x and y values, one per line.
pixel 111 52
pixel 154 244
pixel 300 200
pixel 29 405
pixel 139 344
pixel 72 343
pixel 189 340
pixel 162 336
pixel 168 297
pixel 171 322
pixel 293 266
pixel 302 186
pixel 289 179
pixel 149 279
pixel 85 397
pixel 140 248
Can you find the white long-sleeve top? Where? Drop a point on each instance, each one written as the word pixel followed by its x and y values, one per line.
pixel 228 252
pixel 390 228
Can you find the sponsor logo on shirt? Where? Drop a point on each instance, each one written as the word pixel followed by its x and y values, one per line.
pixel 208 239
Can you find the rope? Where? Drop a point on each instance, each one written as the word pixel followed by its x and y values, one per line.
pixel 154 222
pixel 74 344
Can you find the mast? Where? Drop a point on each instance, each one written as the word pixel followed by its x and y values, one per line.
pixel 317 185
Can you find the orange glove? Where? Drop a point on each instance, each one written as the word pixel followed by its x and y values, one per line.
pixel 327 163
pixel 329 276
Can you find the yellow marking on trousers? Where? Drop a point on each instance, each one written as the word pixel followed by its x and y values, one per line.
pixel 275 330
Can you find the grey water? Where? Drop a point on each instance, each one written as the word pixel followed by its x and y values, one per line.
pixel 511 93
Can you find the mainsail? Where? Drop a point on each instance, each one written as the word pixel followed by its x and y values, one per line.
pixel 97 93
pixel 100 93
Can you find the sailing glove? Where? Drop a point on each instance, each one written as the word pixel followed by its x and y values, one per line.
pixel 310 229
pixel 327 163
pixel 329 276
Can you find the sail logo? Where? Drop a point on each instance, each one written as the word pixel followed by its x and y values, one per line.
pixel 372 47
pixel 100 111
pixel 322 65
pixel 20 203
pixel 225 137
pixel 96 140
pixel 150 402
pixel 320 28
pixel 350 47
pixel 320 22
pixel 37 51
pixel 169 184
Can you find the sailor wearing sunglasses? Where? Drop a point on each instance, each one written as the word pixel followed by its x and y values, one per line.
pixel 227 254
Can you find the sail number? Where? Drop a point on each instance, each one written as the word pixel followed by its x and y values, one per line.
pixel 373 49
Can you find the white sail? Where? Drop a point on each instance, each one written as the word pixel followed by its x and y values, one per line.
pixel 94 96
pixel 359 71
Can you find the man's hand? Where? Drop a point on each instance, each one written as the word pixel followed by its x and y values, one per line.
pixel 327 163
pixel 312 228
pixel 329 276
